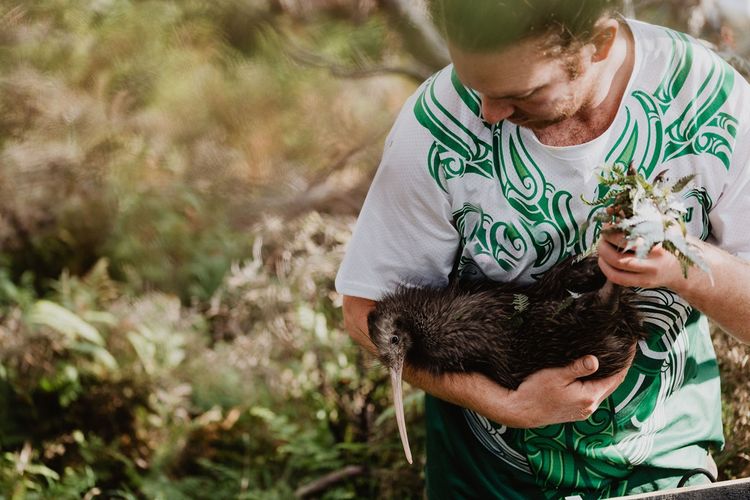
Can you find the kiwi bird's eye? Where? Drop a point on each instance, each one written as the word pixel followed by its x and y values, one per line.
pixel 394 339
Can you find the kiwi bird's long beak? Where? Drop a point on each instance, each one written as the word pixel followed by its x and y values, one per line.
pixel 398 404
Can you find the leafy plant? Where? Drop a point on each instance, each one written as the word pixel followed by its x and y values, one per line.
pixel 19 473
pixel 648 213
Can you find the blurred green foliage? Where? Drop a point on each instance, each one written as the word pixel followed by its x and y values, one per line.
pixel 247 395
pixel 162 333
pixel 147 131
pixel 168 327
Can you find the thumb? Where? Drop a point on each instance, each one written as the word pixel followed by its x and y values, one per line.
pixel 583 366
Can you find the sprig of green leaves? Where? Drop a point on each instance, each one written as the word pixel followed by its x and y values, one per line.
pixel 648 213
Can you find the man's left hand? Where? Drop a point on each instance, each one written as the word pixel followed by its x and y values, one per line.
pixel 724 296
pixel 659 269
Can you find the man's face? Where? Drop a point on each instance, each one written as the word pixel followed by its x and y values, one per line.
pixel 522 85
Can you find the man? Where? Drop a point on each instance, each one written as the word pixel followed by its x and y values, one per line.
pixel 483 173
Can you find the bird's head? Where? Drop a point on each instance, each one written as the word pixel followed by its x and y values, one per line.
pixel 392 336
pixel 392 339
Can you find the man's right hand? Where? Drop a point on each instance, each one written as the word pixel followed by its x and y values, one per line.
pixel 557 395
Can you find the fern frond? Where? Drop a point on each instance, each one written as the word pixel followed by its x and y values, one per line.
pixel 647 212
pixel 564 304
pixel 682 183
pixel 520 302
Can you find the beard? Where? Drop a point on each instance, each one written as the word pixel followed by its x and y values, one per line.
pixel 566 107
pixel 563 110
pixel 539 123
pixel 525 121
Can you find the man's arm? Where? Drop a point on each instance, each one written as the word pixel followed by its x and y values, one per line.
pixel 546 397
pixel 726 300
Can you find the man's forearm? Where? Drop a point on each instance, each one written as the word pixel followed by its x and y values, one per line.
pixel 469 390
pixel 473 391
pixel 356 310
pixel 727 300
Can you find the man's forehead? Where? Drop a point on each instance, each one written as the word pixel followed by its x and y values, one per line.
pixel 512 71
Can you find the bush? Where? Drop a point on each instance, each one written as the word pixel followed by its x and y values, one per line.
pixel 147 406
pixel 734 462
pixel 136 131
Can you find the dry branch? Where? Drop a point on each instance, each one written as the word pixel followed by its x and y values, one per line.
pixel 325 482
pixel 307 58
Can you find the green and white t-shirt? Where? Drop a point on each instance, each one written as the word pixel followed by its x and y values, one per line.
pixel 453 190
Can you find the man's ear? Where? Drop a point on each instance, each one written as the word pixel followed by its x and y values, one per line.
pixel 605 34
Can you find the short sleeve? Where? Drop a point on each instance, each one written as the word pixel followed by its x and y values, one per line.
pixel 404 232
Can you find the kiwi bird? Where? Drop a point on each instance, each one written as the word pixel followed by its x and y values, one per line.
pixel 504 331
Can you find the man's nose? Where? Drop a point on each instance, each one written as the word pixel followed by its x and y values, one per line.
pixel 495 110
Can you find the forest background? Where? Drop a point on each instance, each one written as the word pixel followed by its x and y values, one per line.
pixel 178 180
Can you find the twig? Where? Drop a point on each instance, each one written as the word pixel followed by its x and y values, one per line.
pixel 325 482
pixel 340 71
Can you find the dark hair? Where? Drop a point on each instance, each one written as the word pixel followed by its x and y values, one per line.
pixel 486 25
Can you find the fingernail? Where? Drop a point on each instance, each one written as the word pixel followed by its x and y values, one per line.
pixel 588 363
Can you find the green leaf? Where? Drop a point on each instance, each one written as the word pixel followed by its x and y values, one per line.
pixel 687 254
pixel 41 470
pixel 520 302
pixel 564 304
pixel 101 317
pixel 682 183
pixel 100 354
pixel 49 314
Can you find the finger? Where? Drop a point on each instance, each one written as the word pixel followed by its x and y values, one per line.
pixel 611 232
pixel 624 261
pixel 619 244
pixel 641 276
pixel 597 390
pixel 581 367
pixel 601 388
pixel 623 278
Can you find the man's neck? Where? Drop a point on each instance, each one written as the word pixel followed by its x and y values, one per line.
pixel 600 109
